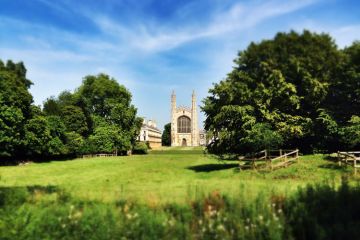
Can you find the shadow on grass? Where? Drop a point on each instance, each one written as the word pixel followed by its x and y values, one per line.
pixel 331 166
pixel 212 167
pixel 9 161
pixel 18 195
pixel 331 158
pixel 332 163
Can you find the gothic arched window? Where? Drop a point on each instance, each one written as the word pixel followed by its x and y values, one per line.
pixel 184 124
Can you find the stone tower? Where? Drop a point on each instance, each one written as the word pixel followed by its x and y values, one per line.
pixel 184 123
pixel 194 121
pixel 173 118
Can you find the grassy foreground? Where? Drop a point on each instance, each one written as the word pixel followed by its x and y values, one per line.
pixel 167 175
pixel 177 194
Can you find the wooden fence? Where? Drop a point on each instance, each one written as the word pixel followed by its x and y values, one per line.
pixel 99 155
pixel 349 159
pixel 269 159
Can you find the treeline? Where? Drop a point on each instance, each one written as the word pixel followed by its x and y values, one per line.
pixel 97 117
pixel 297 90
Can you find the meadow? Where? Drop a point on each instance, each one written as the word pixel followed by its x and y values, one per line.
pixel 167 175
pixel 177 193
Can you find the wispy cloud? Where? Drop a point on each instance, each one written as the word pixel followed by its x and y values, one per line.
pixel 344 35
pixel 237 17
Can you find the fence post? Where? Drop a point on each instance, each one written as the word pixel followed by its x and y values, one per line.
pixel 297 154
pixel 355 166
pixel 266 154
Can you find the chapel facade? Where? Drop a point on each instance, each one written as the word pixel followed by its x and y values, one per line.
pixel 184 123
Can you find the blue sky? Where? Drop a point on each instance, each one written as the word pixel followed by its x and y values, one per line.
pixel 154 46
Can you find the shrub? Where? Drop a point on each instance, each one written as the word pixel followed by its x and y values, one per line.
pixel 140 148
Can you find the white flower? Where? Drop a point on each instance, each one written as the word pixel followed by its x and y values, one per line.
pixel 221 227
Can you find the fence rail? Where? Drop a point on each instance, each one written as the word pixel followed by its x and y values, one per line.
pixel 349 159
pixel 99 155
pixel 263 159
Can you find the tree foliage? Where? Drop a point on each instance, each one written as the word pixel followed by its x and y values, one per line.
pixel 300 86
pixel 15 107
pixel 166 135
pixel 97 117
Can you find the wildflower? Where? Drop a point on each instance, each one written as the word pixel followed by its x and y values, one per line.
pixel 78 214
pixel 279 211
pixel 246 228
pixel 126 208
pixel 171 222
pixel 221 227
pixel 261 217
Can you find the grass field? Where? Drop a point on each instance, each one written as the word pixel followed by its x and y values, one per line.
pixel 177 193
pixel 167 175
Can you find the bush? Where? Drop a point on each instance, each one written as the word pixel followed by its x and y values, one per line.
pixel 140 148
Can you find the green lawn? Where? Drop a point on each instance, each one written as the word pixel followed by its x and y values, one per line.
pixel 167 175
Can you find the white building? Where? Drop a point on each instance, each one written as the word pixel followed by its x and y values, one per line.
pixel 150 133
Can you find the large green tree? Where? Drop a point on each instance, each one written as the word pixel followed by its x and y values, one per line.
pixel 285 83
pixel 15 108
pixel 98 116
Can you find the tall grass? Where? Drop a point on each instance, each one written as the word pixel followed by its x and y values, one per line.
pixel 314 212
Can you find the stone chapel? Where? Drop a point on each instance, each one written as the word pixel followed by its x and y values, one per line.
pixel 184 123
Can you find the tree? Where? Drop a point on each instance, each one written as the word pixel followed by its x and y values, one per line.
pixel 37 136
pixel 98 116
pixel 75 119
pixel 99 94
pixel 166 135
pixel 75 143
pixel 11 127
pixel 15 108
pixel 352 133
pixel 109 139
pixel 343 100
pixel 51 107
pixel 282 83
